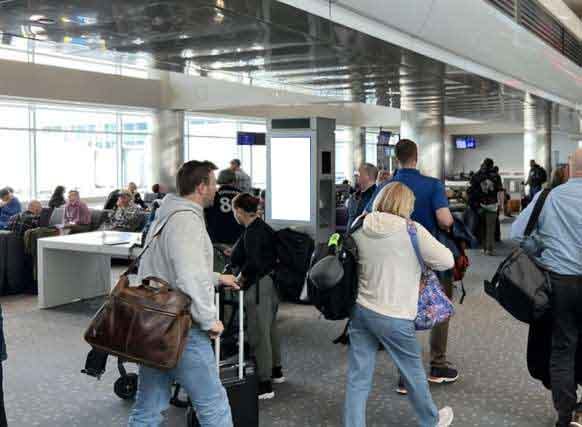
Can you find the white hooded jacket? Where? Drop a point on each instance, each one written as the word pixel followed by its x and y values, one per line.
pixel 183 256
pixel 389 270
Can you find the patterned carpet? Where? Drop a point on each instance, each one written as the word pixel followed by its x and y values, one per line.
pixel 44 386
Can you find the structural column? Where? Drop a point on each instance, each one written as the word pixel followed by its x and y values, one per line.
pixel 537 133
pixel 428 132
pixel 359 147
pixel 168 147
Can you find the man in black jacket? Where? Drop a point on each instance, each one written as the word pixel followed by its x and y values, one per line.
pixel 483 198
pixel 220 222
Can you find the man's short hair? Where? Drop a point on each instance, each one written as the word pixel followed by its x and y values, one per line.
pixel 73 191
pixel 371 170
pixel 4 192
pixel 236 162
pixel 192 174
pixel 406 151
pixel 226 176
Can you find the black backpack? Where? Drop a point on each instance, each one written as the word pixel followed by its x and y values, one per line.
pixel 336 303
pixel 294 251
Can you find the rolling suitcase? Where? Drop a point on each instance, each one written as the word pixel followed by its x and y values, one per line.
pixel 239 378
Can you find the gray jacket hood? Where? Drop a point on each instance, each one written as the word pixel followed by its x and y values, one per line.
pixel 173 203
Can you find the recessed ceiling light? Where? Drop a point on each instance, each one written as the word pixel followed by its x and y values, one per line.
pixel 41 19
pixel 138 41
pixel 184 36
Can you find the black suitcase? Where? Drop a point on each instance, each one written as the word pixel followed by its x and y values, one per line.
pixel 239 377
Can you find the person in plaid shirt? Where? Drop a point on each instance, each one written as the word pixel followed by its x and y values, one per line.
pixel 27 220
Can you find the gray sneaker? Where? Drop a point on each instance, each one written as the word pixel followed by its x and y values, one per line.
pixel 445 417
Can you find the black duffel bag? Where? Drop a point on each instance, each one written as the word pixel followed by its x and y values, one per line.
pixel 520 285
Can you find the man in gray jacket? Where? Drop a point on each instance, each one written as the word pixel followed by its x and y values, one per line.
pixel 183 257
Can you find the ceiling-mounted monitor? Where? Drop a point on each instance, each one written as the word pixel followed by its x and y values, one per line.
pixel 465 142
pixel 250 138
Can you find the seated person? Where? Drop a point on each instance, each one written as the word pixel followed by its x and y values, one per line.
pixel 135 196
pixel 9 206
pixel 58 198
pixel 159 191
pixel 77 217
pixel 125 215
pixel 27 220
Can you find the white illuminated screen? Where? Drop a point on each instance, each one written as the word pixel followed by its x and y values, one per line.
pixel 291 178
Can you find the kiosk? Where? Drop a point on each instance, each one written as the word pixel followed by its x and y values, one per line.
pixel 301 176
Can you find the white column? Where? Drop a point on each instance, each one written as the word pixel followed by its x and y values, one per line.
pixel 168 146
pixel 428 132
pixel 537 133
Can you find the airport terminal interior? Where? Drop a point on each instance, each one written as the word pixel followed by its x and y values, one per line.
pixel 304 104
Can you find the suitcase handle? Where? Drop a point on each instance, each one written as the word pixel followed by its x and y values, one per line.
pixel 241 336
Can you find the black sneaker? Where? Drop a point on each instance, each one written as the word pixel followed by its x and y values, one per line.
pixel 444 375
pixel 266 390
pixel 400 388
pixel 277 377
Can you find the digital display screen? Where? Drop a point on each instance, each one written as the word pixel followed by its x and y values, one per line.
pixel 290 178
pixel 384 137
pixel 465 143
pixel 250 138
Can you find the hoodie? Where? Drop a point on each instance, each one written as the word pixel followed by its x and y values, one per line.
pixel 183 256
pixel 389 273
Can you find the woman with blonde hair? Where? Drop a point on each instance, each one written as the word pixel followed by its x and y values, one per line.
pixel 389 277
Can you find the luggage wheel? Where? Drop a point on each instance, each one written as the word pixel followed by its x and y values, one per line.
pixel 126 386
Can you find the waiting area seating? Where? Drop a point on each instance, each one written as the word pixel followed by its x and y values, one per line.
pixel 16 268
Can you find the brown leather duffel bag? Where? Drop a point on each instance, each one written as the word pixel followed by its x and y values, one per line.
pixel 146 324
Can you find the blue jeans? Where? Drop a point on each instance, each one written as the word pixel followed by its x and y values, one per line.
pixel 197 373
pixel 367 330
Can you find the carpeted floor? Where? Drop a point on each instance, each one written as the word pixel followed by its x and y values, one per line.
pixel 44 386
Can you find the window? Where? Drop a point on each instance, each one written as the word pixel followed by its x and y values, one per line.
pixel 84 161
pixel 343 145
pixel 214 139
pixel 15 172
pixel 92 150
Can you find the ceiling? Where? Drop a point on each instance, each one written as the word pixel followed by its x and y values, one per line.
pixel 262 40
pixel 575 5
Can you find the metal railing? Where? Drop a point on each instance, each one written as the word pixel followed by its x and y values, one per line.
pixel 533 16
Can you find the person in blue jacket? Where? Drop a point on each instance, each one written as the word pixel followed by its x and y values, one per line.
pixel 9 206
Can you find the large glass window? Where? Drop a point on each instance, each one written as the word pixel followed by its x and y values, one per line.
pixel 15 169
pixel 214 139
pixel 343 145
pixel 76 147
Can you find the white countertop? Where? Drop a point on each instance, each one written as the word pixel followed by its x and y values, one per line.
pixel 100 242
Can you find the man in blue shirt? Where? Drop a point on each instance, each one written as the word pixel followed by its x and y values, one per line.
pixel 431 210
pixel 559 232
pixel 9 206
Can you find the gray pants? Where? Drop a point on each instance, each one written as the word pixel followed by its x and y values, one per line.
pixel 262 327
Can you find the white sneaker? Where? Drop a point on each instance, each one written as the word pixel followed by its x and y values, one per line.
pixel 445 417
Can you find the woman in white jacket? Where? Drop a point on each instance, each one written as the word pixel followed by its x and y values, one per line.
pixel 387 305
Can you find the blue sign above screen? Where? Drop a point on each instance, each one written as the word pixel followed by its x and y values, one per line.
pixel 384 137
pixel 250 138
pixel 465 143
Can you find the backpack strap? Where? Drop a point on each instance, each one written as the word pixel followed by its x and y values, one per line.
pixel 157 234
pixel 413 233
pixel 535 216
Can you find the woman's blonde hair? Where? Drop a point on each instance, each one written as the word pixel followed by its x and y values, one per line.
pixel 396 199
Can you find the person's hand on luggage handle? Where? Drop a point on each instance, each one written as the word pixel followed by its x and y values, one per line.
pixel 216 330
pixel 229 282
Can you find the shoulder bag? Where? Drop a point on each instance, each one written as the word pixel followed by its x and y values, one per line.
pixel 520 285
pixel 146 324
